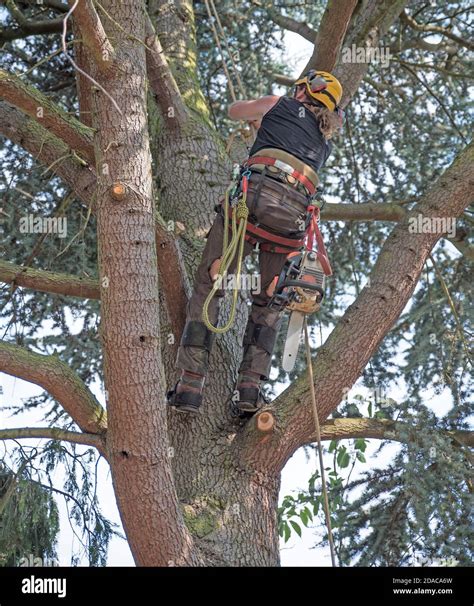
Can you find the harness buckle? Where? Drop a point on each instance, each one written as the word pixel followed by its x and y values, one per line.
pixel 286 168
pixel 317 200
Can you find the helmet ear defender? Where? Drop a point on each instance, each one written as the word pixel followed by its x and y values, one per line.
pixel 317 84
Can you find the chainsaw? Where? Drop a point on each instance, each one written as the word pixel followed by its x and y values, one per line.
pixel 299 290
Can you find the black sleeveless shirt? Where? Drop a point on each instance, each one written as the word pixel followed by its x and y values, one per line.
pixel 293 128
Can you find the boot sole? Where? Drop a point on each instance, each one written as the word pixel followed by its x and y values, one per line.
pixel 244 407
pixel 186 409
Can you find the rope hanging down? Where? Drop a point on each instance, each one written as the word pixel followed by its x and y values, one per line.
pixel 318 439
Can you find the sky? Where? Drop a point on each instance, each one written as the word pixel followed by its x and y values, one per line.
pixel 301 552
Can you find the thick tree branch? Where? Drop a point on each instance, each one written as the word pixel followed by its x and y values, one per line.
pixel 59 380
pixel 53 433
pixel 369 211
pixel 162 82
pixel 283 80
pixel 331 34
pixel 292 25
pixel 56 5
pixel 49 150
pixel 47 281
pixel 381 429
pixel 93 33
pixel 367 28
pixel 360 331
pixel 288 23
pixel 48 114
pixel 83 59
pixel 435 29
pixel 31 28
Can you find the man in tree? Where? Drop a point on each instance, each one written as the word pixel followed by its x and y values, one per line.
pixel 291 145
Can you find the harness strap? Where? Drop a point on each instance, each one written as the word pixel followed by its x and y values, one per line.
pixel 314 234
pixel 269 247
pixel 262 233
pixel 266 235
pixel 283 166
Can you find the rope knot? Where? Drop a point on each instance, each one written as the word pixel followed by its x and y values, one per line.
pixel 242 210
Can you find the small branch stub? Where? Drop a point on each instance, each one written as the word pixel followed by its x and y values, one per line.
pixel 118 191
pixel 265 422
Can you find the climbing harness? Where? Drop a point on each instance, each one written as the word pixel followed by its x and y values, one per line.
pixel 285 168
pixel 313 262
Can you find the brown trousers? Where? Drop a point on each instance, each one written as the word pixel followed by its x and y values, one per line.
pixel 278 208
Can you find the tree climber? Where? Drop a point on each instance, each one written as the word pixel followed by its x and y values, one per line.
pixel 293 133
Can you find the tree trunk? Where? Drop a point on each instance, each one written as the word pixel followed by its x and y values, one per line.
pixel 138 451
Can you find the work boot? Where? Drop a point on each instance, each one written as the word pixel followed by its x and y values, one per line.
pixel 193 356
pixel 251 398
pixel 187 393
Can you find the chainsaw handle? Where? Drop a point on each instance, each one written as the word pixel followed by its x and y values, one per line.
pixel 303 285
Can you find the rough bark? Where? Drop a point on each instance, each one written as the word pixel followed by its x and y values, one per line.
pixel 137 444
pixel 93 33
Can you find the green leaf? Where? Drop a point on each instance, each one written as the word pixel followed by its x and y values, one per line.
pixel 360 444
pixel 369 409
pixel 287 532
pixel 361 457
pixel 296 527
pixel 308 513
pixel 332 445
pixel 304 517
pixel 340 455
pixel 344 459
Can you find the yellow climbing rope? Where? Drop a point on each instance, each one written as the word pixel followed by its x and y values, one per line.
pixel 229 252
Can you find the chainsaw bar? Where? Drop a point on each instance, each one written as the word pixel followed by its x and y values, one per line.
pixel 293 338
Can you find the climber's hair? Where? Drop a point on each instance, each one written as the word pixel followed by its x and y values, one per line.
pixel 329 122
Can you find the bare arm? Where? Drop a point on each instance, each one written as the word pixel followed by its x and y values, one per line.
pixel 252 110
